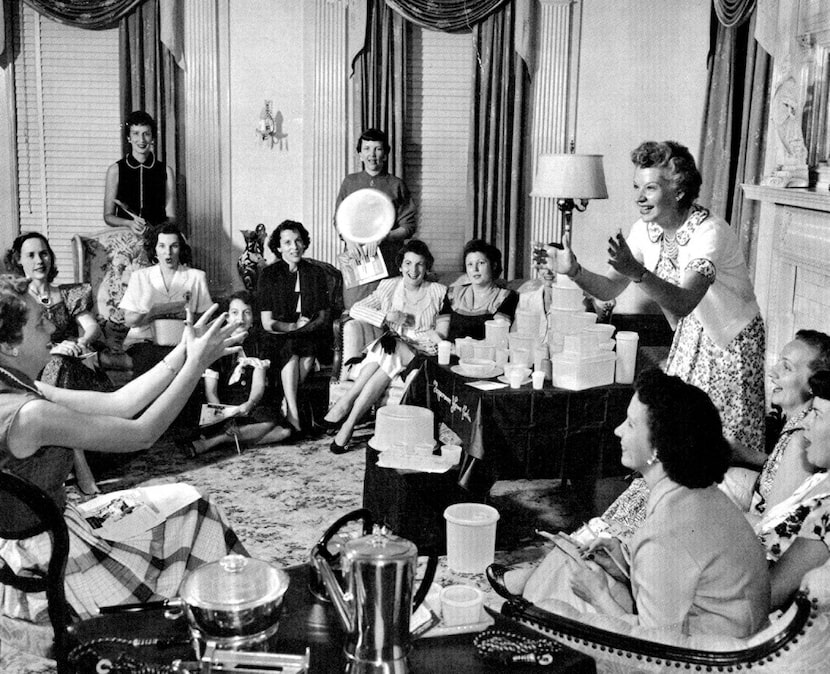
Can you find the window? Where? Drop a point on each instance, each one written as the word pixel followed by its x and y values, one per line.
pixel 439 99
pixel 66 83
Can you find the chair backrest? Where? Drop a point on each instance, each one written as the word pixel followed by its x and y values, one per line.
pixel 26 511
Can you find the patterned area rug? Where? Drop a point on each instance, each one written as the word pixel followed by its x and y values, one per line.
pixel 279 499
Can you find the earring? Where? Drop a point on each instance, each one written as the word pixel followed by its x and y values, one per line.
pixel 653 459
pixel 15 351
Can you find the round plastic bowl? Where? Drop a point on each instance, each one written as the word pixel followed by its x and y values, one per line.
pixel 477 367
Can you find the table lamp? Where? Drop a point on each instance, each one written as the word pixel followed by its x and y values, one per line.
pixel 572 179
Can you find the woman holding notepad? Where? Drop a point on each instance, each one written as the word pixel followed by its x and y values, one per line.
pixel 694 566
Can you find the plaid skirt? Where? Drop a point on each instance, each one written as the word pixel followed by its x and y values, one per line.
pixel 149 566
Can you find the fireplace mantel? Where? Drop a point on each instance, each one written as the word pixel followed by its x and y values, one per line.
pixel 798 197
pixel 792 277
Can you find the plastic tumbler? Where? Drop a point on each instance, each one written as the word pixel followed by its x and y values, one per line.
pixel 444 352
pixel 471 536
pixel 538 377
pixel 626 356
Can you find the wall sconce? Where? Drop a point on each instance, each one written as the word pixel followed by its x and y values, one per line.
pixel 267 127
pixel 572 179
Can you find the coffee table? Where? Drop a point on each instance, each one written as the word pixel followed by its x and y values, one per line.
pixel 306 622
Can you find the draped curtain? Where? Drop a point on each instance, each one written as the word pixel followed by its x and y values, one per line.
pixel 94 14
pixel 446 15
pixel 380 79
pixel 497 157
pixel 734 124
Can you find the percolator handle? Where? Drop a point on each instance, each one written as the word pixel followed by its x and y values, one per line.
pixel 426 581
pixel 322 548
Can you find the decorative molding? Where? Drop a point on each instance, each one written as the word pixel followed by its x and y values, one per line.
pixel 797 197
pixel 326 142
pixel 204 108
pixel 552 98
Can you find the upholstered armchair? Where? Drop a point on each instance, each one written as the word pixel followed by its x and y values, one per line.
pixel 106 259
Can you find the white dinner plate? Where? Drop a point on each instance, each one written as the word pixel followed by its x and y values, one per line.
pixel 464 372
pixel 504 379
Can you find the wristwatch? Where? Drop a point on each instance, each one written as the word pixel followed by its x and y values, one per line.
pixel 642 275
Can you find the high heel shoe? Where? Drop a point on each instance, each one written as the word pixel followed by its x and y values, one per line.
pixel 495 575
pixel 334 448
pixel 328 425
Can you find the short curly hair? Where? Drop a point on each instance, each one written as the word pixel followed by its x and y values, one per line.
pixel 151 239
pixel 489 251
pixel 140 118
pixel 685 429
pixel 419 248
pixel 14 253
pixel 287 226
pixel 678 163
pixel 13 310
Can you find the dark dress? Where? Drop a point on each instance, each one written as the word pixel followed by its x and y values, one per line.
pixel 468 321
pixel 277 293
pixel 143 188
pixel 67 371
pixel 239 391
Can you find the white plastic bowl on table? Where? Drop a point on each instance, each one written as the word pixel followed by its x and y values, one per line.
pixel 477 367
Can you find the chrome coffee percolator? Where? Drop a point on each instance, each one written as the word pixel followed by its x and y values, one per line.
pixel 375 607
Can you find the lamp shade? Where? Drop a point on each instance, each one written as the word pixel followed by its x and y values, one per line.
pixel 570 176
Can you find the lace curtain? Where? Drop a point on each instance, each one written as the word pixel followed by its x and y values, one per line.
pixel 446 15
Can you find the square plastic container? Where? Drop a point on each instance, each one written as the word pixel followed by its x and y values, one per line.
pixel 576 373
pixel 581 343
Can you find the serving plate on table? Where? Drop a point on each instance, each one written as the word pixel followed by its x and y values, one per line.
pixel 465 372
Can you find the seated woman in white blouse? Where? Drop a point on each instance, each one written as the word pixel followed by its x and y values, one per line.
pixel 407 306
pixel 164 290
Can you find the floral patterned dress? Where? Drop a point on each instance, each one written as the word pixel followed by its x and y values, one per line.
pixel 67 371
pixel 733 376
pixel 806 514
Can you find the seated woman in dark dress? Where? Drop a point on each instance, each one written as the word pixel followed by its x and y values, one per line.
pixel 472 304
pixel 294 309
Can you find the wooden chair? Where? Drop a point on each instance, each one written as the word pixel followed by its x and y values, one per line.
pixel 26 511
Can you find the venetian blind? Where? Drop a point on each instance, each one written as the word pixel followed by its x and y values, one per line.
pixel 439 95
pixel 66 83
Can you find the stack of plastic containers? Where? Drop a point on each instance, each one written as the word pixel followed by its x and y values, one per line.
pixel 582 354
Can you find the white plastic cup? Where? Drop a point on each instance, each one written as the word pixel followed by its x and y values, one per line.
pixel 471 536
pixel 515 378
pixel 538 377
pixel 444 352
pixel 461 605
pixel 451 453
pixel 626 356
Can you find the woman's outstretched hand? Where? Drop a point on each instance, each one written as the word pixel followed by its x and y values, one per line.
pixel 207 340
pixel 622 259
pixel 555 258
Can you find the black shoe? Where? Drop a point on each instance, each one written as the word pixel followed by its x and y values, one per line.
pixel 328 425
pixel 338 449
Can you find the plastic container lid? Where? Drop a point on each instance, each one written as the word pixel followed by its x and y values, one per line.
pixel 234 582
pixel 365 216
